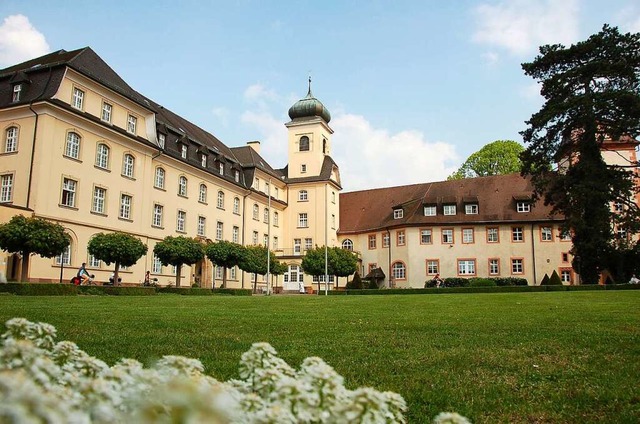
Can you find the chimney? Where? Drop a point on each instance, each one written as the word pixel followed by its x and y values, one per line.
pixel 255 145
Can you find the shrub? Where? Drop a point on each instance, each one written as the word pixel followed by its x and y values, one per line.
pixel 555 280
pixel 355 283
pixel 482 282
pixel 545 280
pixel 372 284
pixel 456 282
pixel 510 281
pixel 27 289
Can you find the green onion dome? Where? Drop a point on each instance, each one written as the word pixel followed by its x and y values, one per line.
pixel 308 108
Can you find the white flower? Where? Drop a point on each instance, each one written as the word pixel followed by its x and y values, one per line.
pixel 450 418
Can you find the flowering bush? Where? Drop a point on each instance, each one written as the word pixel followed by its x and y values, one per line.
pixel 42 380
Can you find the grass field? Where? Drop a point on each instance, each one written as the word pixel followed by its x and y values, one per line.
pixel 520 357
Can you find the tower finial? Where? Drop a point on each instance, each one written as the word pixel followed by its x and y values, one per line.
pixel 309 92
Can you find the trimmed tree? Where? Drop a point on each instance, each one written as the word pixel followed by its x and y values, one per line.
pixel 555 280
pixel 121 249
pixel 178 251
pixel 29 235
pixel 225 254
pixel 313 262
pixel 254 261
pixel 592 95
pixel 497 158
pixel 346 263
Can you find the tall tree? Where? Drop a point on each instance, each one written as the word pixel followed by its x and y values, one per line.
pixel 225 254
pixel 340 262
pixel 29 235
pixel 591 92
pixel 121 249
pixel 178 251
pixel 497 158
pixel 346 263
pixel 254 261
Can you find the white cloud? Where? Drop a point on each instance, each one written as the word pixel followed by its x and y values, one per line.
pixel 520 26
pixel 273 136
pixel 20 41
pixel 222 114
pixel 532 92
pixel 259 94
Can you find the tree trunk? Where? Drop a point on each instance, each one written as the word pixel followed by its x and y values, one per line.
pixel 116 271
pixel 255 283
pixel 178 272
pixel 224 277
pixel 319 284
pixel 24 272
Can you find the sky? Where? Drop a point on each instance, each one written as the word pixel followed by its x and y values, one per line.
pixel 413 87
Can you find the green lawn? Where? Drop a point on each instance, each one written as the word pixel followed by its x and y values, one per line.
pixel 518 357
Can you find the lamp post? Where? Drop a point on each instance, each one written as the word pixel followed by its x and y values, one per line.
pixel 269 238
pixel 326 242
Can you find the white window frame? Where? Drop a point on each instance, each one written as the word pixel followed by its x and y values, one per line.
pixel 449 210
pixel 256 212
pixel 203 160
pixel 220 201
pixel 276 218
pixel 221 168
pixel 303 196
pixel 399 271
pixel 72 145
pixel 219 230
pixel 235 234
pixel 466 267
pixel 546 233
pixel 94 262
pixel 265 216
pixel 426 236
pixel 6 193
pixel 159 178
pixel 64 258
pixel 517 234
pixel 236 205
pixel 517 266
pixel 184 150
pixel 447 236
pixel 158 211
pixel 303 220
pixel 77 99
pixel 494 266
pixel 11 140
pixel 181 221
pixel 156 266
pixel 126 201
pixel 202 193
pixel 69 188
pixel 102 156
pixel 491 232
pixel 471 209
pixel 468 235
pixel 128 165
pixel 132 124
pixel 398 213
pixel 297 246
pixel 17 92
pixel 107 109
pixel 523 207
pixel 161 140
pixel 433 266
pixel 347 244
pixel 182 186
pixel 202 225
pixel 254 238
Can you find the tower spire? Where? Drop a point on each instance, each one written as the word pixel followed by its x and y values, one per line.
pixel 309 92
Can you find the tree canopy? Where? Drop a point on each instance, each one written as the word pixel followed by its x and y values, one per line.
pixel 254 261
pixel 225 254
pixel 121 249
pixel 340 262
pixel 592 95
pixel 497 158
pixel 178 251
pixel 29 235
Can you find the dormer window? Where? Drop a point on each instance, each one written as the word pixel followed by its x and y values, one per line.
pixel 237 176
pixel 449 209
pixel 183 151
pixel 471 209
pixel 17 93
pixel 430 210
pixel 132 123
pixel 523 207
pixel 304 143
pixel 203 160
pixel 161 140
pixel 78 98
pixel 398 213
pixel 221 168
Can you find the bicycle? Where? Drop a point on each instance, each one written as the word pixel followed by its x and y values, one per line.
pixel 77 281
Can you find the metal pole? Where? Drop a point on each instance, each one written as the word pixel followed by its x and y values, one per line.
pixel 269 238
pixel 326 242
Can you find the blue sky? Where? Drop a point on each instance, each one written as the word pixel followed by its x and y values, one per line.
pixel 414 87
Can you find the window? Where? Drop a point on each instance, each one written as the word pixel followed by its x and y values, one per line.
pixel 398 213
pixel 447 236
pixel 433 266
pixel 156 268
pixel 219 271
pixel 236 205
pixel 235 234
pixel 430 211
pixel 157 215
pixel 333 197
pixel 308 244
pixel 493 235
pixel 399 271
pixel 267 189
pixel 219 230
pixel 466 267
pixel 256 184
pixel 128 164
pixel 565 257
pixel 183 151
pixel 233 273
pixel 517 266
pixel 17 91
pixel 303 168
pixel 94 262
pixel 303 221
pixel 265 217
pixel 106 112
pixel 400 238
pixel 202 194
pixel 546 234
pixel 347 245
pixel 78 98
pixel 202 226
pixel 6 188
pixel 564 235
pixel 11 140
pixel 372 266
pixel 494 266
pixel 180 221
pixel 161 140
pixel 69 192
pixel 132 122
pixel 449 209
pixel 254 238
pixel 220 203
pixel 303 196
pixel 125 206
pixel 297 246
pixel 618 207
pixel 372 241
pixel 471 209
pixel 517 234
pixel 621 233
pixel 203 160
pixel 467 235
pixel 159 180
pixel 304 143
pixel 385 239
pixel 523 207
pixel 64 258
pixel 275 243
pixel 425 236
pixel 276 218
pixel 256 211
pixel 320 278
pixel 566 276
pixel 221 168
pixel 72 146
pixel 292 274
pixel 236 175
pixel 182 186
pixel 102 156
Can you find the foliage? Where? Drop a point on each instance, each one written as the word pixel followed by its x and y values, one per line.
pixel 196 291
pixel 510 281
pixel 254 261
pixel 545 280
pixel 178 251
pixel 225 254
pixel 622 262
pixel 30 235
pixel 555 280
pixel 497 158
pixel 482 282
pixel 592 95
pixel 122 249
pixel 42 380
pixel 356 282
pixel 340 262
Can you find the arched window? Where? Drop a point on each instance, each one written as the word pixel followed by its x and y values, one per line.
pixel 11 140
pixel 72 146
pixel 182 186
pixel 159 181
pixel 236 205
pixel 399 271
pixel 347 245
pixel 266 216
pixel 202 196
pixel 275 219
pixel 65 257
pixel 221 200
pixel 128 164
pixel 102 156
pixel 304 143
pixel 256 212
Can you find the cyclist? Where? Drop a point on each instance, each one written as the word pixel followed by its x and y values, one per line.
pixel 83 274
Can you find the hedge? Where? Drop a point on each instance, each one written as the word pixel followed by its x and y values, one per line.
pixel 496 289
pixel 197 291
pixel 56 289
